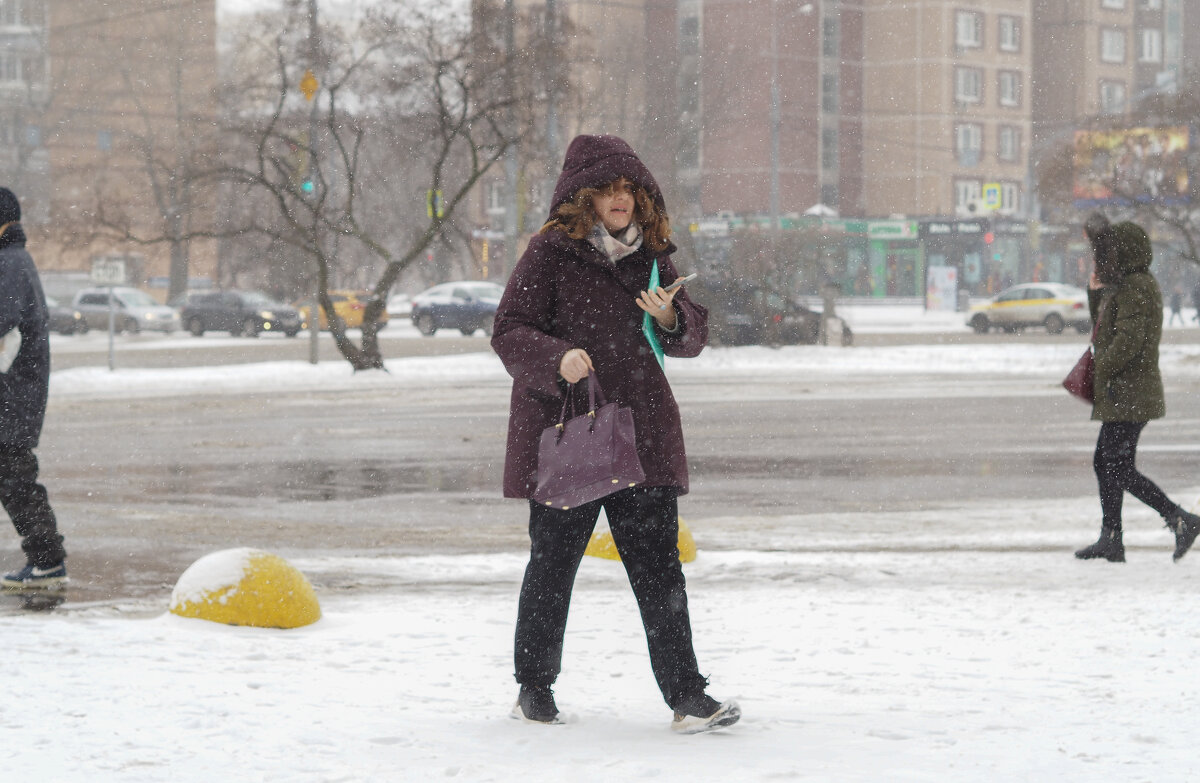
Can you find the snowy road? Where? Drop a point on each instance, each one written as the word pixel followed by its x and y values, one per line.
pixel 884 580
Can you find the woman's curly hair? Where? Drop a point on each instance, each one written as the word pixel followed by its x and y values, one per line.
pixel 577 217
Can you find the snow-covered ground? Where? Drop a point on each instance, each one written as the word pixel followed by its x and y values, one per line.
pixel 957 643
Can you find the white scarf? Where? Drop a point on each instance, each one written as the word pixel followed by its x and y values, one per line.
pixel 616 247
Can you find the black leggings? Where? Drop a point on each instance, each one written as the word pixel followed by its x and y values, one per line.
pixel 1114 463
pixel 645 528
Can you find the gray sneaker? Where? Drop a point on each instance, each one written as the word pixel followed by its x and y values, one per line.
pixel 535 704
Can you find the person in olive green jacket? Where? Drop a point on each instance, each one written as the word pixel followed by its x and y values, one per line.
pixel 1126 302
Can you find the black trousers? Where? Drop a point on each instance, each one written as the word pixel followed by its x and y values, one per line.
pixel 27 505
pixel 645 527
pixel 1117 473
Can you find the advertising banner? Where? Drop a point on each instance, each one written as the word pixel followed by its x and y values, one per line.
pixel 941 289
pixel 1116 167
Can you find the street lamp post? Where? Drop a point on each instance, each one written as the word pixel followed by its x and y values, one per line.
pixel 774 122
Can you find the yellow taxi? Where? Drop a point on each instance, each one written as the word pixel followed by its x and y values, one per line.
pixel 347 305
pixel 1052 305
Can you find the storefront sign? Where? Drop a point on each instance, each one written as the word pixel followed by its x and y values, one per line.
pixel 945 228
pixel 892 229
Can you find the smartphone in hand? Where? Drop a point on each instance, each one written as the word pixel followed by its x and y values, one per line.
pixel 680 281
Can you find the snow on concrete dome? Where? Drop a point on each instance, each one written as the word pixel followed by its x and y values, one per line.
pixel 245 587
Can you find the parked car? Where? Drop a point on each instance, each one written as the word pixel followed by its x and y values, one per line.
pixel 1052 305
pixel 743 314
pixel 399 306
pixel 135 310
pixel 466 306
pixel 239 313
pixel 65 320
pixel 347 305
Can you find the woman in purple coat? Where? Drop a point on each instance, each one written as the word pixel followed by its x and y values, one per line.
pixel 575 305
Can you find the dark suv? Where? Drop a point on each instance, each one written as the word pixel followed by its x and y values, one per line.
pixel 239 313
pixel 744 314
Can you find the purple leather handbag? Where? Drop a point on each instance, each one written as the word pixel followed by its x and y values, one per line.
pixel 587 457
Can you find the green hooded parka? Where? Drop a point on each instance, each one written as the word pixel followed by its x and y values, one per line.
pixel 1127 380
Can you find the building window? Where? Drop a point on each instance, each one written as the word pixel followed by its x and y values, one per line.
pixel 34 13
pixel 689 35
pixel 22 69
pixel 104 140
pixel 689 96
pixel 968 29
pixel 966 193
pixel 1151 46
pixel 829 36
pixel 33 136
pixel 689 148
pixel 1009 83
pixel 968 143
pixel 1114 4
pixel 494 195
pixel 1112 45
pixel 29 13
pixel 829 148
pixel 1008 143
pixel 829 92
pixel 1010 34
pixel 1010 197
pixel 1112 97
pixel 829 195
pixel 968 85
pixel 1151 5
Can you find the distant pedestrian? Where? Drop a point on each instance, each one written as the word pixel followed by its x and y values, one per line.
pixel 1125 300
pixel 576 304
pixel 1176 306
pixel 24 382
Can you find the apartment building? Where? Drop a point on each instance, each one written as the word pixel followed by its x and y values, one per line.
pixel 1102 57
pixel 24 92
pixel 117 101
pixel 946 108
pixel 770 106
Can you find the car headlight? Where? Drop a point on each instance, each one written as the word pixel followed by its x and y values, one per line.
pixel 266 315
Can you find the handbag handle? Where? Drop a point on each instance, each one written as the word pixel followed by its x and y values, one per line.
pixel 594 393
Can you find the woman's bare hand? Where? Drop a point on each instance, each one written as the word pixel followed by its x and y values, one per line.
pixel 658 304
pixel 575 365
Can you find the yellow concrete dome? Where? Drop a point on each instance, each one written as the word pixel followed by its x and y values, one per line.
pixel 246 587
pixel 602 545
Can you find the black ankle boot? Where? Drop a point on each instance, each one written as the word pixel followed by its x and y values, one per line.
pixel 1185 526
pixel 1110 547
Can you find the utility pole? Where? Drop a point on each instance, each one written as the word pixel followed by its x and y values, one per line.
pixel 510 154
pixel 775 121
pixel 314 54
pixel 552 103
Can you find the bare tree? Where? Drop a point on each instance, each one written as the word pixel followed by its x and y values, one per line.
pixel 142 99
pixel 404 125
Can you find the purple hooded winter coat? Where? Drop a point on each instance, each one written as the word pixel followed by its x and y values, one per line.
pixel 564 294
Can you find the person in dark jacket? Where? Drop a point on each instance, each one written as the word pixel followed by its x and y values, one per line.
pixel 24 384
pixel 1126 302
pixel 575 305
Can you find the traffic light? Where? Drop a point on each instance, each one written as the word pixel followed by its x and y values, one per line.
pixel 307 187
